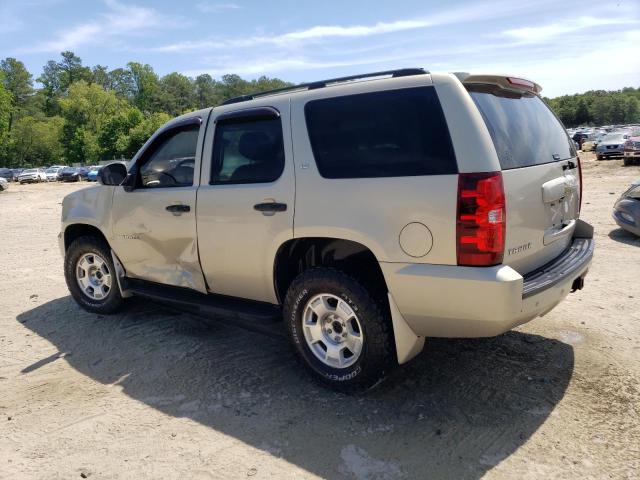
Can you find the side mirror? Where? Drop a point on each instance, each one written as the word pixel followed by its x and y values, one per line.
pixel 112 174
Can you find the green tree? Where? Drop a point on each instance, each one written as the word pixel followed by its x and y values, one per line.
pixel 5 116
pixel 100 75
pixel 86 109
pixel 50 80
pixel 145 86
pixel 36 141
pixel 128 145
pixel 206 91
pixel 71 70
pixel 18 82
pixel 113 137
pixel 176 94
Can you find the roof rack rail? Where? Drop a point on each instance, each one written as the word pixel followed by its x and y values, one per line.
pixel 402 72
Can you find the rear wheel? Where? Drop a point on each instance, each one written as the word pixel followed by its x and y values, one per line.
pixel 340 333
pixel 91 276
pixel 599 157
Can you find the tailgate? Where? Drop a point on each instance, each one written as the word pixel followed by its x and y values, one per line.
pixel 540 173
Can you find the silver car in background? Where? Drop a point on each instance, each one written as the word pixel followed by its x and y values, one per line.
pixel 611 145
pixel 53 174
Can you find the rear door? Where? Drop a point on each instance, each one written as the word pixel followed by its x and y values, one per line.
pixel 246 197
pixel 540 173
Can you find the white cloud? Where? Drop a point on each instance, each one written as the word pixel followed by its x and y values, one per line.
pixel 573 71
pixel 318 33
pixel 120 19
pixel 212 7
pixel 543 33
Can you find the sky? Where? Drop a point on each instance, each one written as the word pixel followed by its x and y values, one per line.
pixel 565 46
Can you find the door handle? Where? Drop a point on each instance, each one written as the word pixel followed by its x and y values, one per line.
pixel 178 208
pixel 270 207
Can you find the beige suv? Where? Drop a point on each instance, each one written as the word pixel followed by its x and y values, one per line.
pixel 369 212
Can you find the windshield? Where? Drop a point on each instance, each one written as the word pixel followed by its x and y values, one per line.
pixel 30 170
pixel 614 137
pixel 51 170
pixel 68 170
pixel 524 130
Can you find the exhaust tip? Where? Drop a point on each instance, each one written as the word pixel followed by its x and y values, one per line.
pixel 578 284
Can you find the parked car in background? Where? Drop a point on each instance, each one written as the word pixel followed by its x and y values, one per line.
pixel 632 150
pixel 4 184
pixel 626 211
pixel 32 175
pixel 73 174
pixel 16 173
pixel 6 173
pixel 53 173
pixel 590 145
pixel 92 175
pixel 580 137
pixel 612 145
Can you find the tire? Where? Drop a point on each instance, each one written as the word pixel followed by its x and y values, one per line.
pixel 626 162
pixel 85 248
pixel 377 352
pixel 599 157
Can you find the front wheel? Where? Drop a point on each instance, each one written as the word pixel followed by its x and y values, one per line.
pixel 342 335
pixel 91 276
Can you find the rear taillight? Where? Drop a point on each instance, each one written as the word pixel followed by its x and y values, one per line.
pixel 481 219
pixel 580 177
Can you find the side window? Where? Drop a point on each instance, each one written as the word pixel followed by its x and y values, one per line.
pixel 392 133
pixel 171 160
pixel 248 151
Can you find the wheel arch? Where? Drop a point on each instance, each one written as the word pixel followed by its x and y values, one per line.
pixel 77 230
pixel 299 254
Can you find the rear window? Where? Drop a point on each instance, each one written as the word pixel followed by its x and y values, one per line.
pixel 524 130
pixel 393 133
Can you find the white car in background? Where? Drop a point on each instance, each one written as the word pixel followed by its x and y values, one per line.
pixel 32 175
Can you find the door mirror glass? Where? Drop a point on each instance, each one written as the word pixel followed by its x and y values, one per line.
pixel 113 174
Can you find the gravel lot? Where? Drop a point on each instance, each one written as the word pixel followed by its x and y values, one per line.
pixel 153 393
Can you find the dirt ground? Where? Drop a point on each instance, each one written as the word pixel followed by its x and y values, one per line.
pixel 153 393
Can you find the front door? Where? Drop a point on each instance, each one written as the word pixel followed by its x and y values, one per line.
pixel 154 219
pixel 246 198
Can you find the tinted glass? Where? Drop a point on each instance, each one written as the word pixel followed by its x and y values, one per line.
pixel 524 130
pixel 172 160
pixel 394 133
pixel 250 151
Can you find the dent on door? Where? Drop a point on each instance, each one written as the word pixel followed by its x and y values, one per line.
pixel 160 245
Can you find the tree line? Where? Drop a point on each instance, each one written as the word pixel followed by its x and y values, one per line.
pixel 81 114
pixel 598 107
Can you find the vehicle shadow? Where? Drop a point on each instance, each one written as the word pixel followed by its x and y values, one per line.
pixel 456 411
pixel 622 236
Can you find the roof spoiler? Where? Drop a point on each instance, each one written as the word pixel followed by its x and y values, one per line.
pixel 507 82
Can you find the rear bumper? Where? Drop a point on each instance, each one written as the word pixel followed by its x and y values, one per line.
pixel 452 301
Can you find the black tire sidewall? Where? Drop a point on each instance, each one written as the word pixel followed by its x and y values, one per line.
pixel 79 247
pixel 374 358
